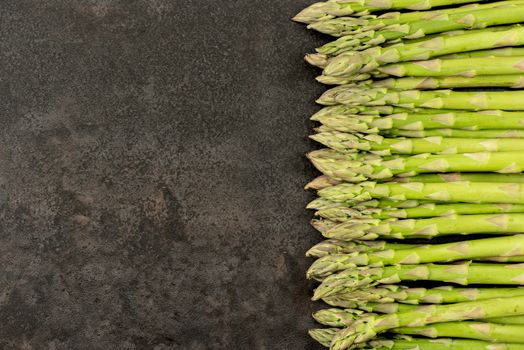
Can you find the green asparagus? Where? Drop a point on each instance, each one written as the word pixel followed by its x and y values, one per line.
pixel 438 99
pixel 350 25
pixel 499 15
pixel 330 9
pixel 344 214
pixel 401 294
pixel 365 329
pixel 467 67
pixel 489 134
pixel 464 250
pixel 346 142
pixel 487 331
pixel 513 81
pixel 348 64
pixel 352 167
pixel 492 120
pixel 467 192
pixel 370 229
pixel 333 246
pixel 325 335
pixel 463 274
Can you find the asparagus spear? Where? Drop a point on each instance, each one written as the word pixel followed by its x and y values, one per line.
pixel 321 182
pixel 508 320
pixel 508 133
pixel 465 250
pixel 325 335
pixel 438 99
pixel 333 246
pixel 501 52
pixel 369 229
pixel 344 214
pixel 341 317
pixel 514 81
pixel 454 177
pixel 346 142
pixel 342 110
pixel 350 25
pixel 370 59
pixel 471 330
pixel 503 14
pixel 486 331
pixel 464 274
pixel 467 67
pixel 467 192
pixel 388 294
pixel 330 9
pixel 439 344
pixel 335 317
pixel 483 120
pixel 504 259
pixel 321 60
pixel 367 328
pixel 356 168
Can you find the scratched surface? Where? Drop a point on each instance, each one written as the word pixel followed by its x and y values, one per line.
pixel 151 166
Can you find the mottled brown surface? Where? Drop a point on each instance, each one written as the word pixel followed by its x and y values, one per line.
pixel 151 166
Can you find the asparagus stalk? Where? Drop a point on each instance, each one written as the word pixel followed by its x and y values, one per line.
pixel 465 250
pixel 464 274
pixel 471 330
pixel 508 133
pixel 454 177
pixel 466 192
pixel 322 60
pixel 369 229
pixel 365 329
pixel 321 182
pixel 438 344
pixel 356 168
pixel 491 120
pixel 342 110
pixel 345 214
pixel 500 15
pixel 438 99
pixel 370 59
pixel 467 67
pixel 333 246
pixel 322 203
pixel 505 259
pixel 508 320
pixel 346 142
pixel 350 25
pixel 330 9
pixel 501 52
pixel 340 318
pixel 325 336
pixel 388 294
pixel 494 332
pixel 513 81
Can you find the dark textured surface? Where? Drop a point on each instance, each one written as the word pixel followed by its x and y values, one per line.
pixel 151 173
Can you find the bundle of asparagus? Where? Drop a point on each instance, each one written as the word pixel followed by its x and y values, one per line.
pixel 422 178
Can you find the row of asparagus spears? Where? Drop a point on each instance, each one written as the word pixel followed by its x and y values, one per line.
pixel 421 199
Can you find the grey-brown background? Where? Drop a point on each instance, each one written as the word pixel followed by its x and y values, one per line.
pixel 151 173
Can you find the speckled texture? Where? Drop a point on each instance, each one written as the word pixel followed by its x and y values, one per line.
pixel 151 173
